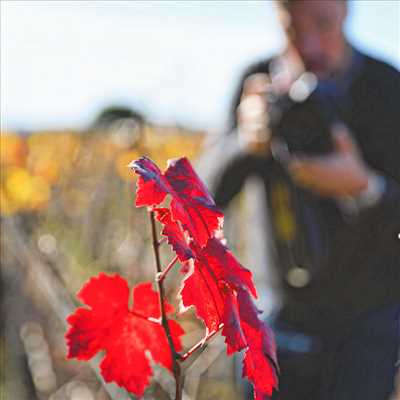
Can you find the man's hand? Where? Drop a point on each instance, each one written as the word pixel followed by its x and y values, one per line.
pixel 252 115
pixel 340 174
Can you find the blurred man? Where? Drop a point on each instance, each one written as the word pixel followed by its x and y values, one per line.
pixel 335 215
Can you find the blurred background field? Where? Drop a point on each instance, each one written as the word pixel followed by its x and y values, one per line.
pixel 67 209
pixel 66 194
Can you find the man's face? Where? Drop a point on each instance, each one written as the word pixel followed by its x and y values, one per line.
pixel 316 32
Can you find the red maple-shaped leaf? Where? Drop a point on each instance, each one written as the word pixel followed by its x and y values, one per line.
pixel 191 203
pixel 124 333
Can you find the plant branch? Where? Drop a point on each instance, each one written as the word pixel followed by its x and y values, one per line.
pixel 161 276
pixel 200 344
pixel 176 368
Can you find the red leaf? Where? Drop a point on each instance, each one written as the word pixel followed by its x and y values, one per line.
pixel 220 288
pixel 152 186
pixel 191 203
pixel 259 363
pixel 201 290
pixel 175 235
pixel 217 257
pixel 234 336
pixel 124 334
pixel 215 277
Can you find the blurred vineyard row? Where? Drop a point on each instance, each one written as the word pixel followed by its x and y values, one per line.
pixel 67 212
pixel 40 167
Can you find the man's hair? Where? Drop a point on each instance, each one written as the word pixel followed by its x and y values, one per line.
pixel 286 3
pixel 283 3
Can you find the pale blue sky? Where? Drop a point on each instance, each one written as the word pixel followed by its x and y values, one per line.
pixel 177 61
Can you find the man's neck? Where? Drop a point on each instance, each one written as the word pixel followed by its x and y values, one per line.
pixel 345 65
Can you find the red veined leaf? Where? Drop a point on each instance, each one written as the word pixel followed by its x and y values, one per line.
pixel 174 234
pixel 259 362
pixel 191 203
pixel 225 266
pixel 193 206
pixel 215 277
pixel 220 288
pixel 234 336
pixel 152 186
pixel 201 290
pixel 124 334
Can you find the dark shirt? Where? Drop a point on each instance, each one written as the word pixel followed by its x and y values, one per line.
pixel 361 269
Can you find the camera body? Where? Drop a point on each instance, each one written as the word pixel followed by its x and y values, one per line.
pixel 300 121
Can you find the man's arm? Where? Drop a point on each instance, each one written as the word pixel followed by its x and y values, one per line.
pixel 249 132
pixel 367 172
pixel 345 176
pixel 231 179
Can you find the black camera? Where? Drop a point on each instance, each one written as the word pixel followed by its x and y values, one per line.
pixel 300 122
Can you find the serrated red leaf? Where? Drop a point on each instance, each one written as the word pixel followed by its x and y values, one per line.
pixel 174 234
pixel 191 203
pixel 235 338
pixel 226 268
pixel 220 289
pixel 124 334
pixel 201 290
pixel 216 274
pixel 152 186
pixel 259 362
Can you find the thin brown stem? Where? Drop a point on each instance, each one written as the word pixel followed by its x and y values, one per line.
pixel 200 344
pixel 176 368
pixel 161 276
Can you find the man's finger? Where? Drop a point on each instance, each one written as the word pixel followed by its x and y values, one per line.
pixel 344 143
pixel 301 171
pixel 256 84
